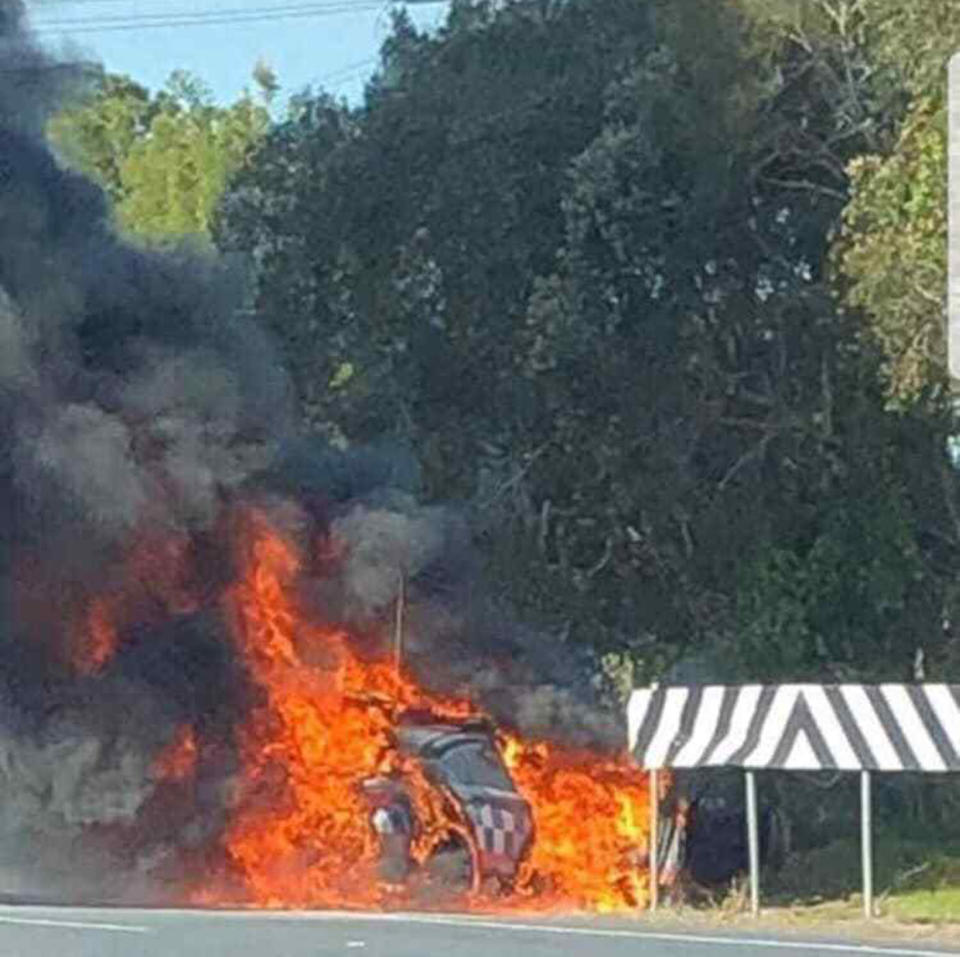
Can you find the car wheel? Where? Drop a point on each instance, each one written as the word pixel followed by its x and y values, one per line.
pixel 449 869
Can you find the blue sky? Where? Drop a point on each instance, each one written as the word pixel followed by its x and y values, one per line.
pixel 335 48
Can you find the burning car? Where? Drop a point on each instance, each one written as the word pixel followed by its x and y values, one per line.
pixel 487 826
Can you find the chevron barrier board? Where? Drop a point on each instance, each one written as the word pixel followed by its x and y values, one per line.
pixel 800 727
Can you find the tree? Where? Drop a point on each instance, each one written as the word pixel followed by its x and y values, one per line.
pixel 464 135
pixel 892 250
pixel 175 175
pixel 577 255
pixel 282 211
pixel 891 254
pixel 165 160
pixel 96 134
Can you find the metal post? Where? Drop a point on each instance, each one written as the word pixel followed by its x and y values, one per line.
pixel 654 839
pixel 754 844
pixel 398 627
pixel 866 843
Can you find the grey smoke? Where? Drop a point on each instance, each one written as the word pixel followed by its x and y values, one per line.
pixel 132 395
pixel 382 549
pixel 87 454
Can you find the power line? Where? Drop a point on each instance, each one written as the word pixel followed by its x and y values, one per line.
pixel 45 4
pixel 344 74
pixel 185 17
pixel 37 7
pixel 73 3
pixel 348 71
pixel 106 19
pixel 93 25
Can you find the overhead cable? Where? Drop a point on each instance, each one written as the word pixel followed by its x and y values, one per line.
pixel 211 18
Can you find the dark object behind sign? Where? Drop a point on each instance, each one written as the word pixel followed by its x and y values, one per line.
pixel 703 832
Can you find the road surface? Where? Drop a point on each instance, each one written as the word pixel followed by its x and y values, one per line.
pixel 100 932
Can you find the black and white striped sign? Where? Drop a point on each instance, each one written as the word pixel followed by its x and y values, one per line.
pixel 800 727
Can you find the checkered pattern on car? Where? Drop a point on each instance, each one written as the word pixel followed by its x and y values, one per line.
pixel 498 830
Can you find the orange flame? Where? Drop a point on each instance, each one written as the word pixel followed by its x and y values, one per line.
pixel 97 641
pixel 153 580
pixel 300 834
pixel 176 762
pixel 592 822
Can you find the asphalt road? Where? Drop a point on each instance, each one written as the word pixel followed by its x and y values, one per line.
pixel 89 932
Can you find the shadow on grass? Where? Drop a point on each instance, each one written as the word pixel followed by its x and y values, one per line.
pixel 914 881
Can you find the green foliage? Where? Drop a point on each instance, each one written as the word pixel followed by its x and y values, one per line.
pixel 577 254
pixel 462 143
pixel 829 608
pixel 913 41
pixel 891 252
pixel 165 160
pixel 174 177
pixel 903 872
pixel 282 213
pixel 97 134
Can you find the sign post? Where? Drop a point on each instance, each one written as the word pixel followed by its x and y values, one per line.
pixel 753 843
pixel 398 627
pixel 866 843
pixel 654 838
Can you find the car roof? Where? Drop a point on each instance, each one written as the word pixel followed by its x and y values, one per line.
pixel 431 740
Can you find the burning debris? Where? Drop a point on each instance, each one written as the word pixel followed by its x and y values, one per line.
pixel 198 607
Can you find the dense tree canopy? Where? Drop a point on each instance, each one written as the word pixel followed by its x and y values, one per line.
pixel 635 280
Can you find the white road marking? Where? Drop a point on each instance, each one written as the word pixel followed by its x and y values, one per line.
pixel 455 920
pixel 75 924
pixel 675 938
pixel 356 943
pixel 662 936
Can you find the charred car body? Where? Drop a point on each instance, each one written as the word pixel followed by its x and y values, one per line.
pixel 489 825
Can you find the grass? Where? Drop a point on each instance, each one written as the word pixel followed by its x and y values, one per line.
pixel 915 882
pixel 936 906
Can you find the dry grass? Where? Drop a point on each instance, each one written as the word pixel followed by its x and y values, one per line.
pixel 817 895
